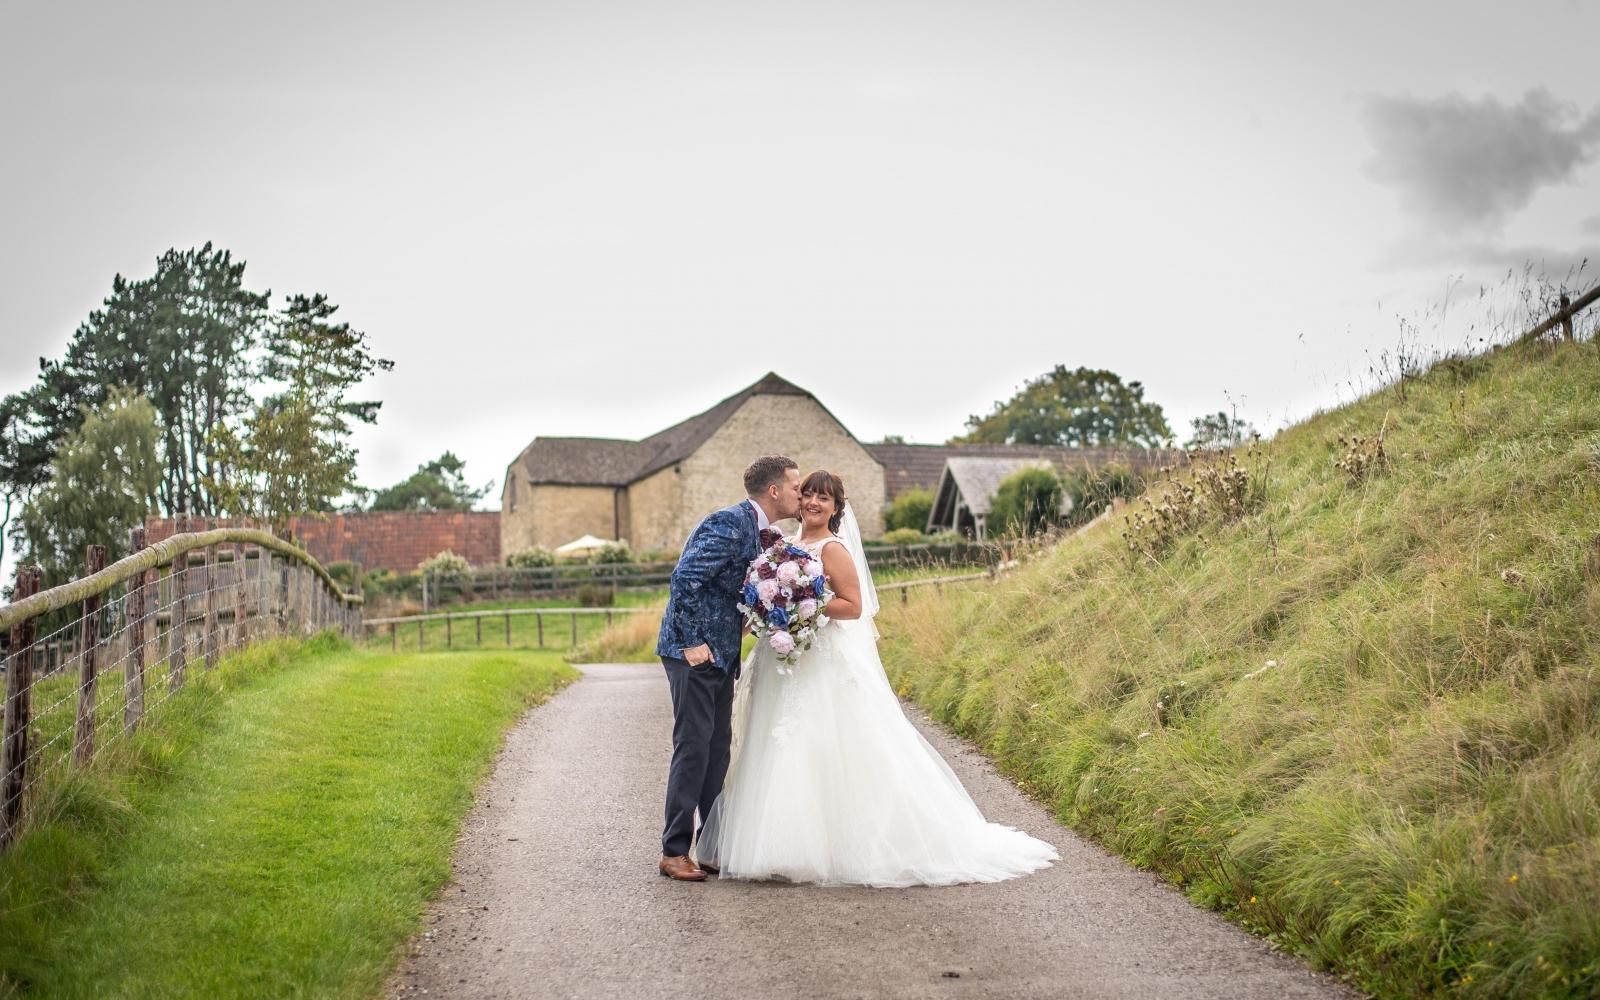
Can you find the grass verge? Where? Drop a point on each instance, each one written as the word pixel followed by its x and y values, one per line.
pixel 1364 718
pixel 277 832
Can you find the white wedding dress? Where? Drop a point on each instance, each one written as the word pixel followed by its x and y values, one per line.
pixel 830 783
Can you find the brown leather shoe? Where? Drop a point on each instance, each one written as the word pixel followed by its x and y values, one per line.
pixel 682 869
pixel 708 868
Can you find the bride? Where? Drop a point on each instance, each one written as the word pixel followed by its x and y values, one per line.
pixel 830 782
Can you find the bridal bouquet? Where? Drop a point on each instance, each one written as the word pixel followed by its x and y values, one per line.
pixel 784 594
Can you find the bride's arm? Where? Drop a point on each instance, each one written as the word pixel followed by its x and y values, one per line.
pixel 842 580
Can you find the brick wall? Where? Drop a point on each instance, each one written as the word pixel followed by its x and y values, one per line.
pixel 393 540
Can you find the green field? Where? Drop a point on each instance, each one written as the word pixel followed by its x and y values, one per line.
pixel 276 832
pixel 1363 719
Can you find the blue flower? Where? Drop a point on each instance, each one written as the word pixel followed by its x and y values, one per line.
pixel 750 596
pixel 819 585
pixel 778 618
pixel 798 552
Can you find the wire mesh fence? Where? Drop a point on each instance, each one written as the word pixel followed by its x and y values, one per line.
pixel 92 661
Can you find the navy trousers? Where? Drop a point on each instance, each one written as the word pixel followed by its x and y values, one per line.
pixel 702 732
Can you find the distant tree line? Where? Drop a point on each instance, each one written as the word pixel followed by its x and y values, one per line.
pixel 188 392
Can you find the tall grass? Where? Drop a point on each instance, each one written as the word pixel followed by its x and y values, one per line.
pixel 1363 719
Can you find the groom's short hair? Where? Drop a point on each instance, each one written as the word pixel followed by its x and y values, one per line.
pixel 765 471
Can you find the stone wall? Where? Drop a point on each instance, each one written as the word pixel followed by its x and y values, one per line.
pixel 392 540
pixel 552 515
pixel 796 426
pixel 655 507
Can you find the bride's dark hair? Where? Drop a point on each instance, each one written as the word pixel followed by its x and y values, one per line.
pixel 825 483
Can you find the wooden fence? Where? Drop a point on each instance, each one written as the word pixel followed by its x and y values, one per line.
pixel 448 619
pixel 118 642
pixel 505 582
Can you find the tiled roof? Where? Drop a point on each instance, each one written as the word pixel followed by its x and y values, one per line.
pixel 612 462
pixel 979 477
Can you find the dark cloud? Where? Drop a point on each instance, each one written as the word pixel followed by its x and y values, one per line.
pixel 1470 164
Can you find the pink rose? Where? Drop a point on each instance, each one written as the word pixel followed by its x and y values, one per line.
pixel 767 590
pixel 782 643
pixel 789 573
pixel 813 567
pixel 807 608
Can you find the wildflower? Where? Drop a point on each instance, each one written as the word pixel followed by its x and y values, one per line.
pixel 1512 880
pixel 1335 881
pixel 1252 900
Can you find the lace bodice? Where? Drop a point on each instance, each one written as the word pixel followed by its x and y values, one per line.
pixel 815 546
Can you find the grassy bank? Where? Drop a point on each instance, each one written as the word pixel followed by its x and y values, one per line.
pixel 276 834
pixel 1364 719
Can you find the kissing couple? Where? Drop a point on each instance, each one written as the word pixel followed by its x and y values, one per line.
pixel 810 773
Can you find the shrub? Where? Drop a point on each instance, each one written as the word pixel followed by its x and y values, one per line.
pixel 904 536
pixel 529 558
pixel 1093 490
pixel 1027 503
pixel 612 554
pixel 909 510
pixel 595 595
pixel 1215 487
pixel 446 563
pixel 1362 456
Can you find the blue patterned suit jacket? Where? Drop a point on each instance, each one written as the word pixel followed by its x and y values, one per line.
pixel 701 607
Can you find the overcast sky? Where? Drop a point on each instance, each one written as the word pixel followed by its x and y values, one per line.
pixel 596 218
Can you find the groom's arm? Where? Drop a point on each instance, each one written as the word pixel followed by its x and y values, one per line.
pixel 714 545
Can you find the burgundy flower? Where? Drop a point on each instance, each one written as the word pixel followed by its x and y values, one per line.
pixel 765 570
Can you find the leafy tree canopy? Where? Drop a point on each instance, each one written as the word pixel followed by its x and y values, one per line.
pixel 1027 502
pixel 293 455
pixel 1218 430
pixel 436 485
pixel 104 479
pixel 1079 407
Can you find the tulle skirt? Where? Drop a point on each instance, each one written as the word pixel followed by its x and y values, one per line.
pixel 830 783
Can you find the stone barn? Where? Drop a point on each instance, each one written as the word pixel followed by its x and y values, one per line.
pixel 654 491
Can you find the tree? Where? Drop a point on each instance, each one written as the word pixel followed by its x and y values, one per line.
pixel 436 485
pixel 1082 408
pixel 910 510
pixel 104 480
pixel 1027 502
pixel 182 338
pixel 1218 430
pixel 293 455
pixel 24 462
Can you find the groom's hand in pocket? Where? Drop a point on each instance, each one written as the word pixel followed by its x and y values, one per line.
pixel 698 655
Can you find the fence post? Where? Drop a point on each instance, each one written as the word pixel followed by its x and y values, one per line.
pixel 208 642
pixel 240 594
pixel 478 621
pixel 19 691
pixel 508 630
pixel 448 641
pixel 574 630
pixel 179 626
pixel 138 613
pixel 419 635
pixel 83 737
pixel 1566 320
pixel 394 639
pixel 538 616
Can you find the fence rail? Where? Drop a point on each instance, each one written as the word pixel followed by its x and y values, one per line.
pixel 120 641
pixel 1566 311
pixel 502 582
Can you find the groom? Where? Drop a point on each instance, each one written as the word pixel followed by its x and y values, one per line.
pixel 699 645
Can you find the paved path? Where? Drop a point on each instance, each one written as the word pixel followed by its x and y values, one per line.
pixel 556 895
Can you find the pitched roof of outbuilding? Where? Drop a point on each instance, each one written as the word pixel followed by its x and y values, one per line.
pixel 613 462
pixel 979 477
pixel 909 466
